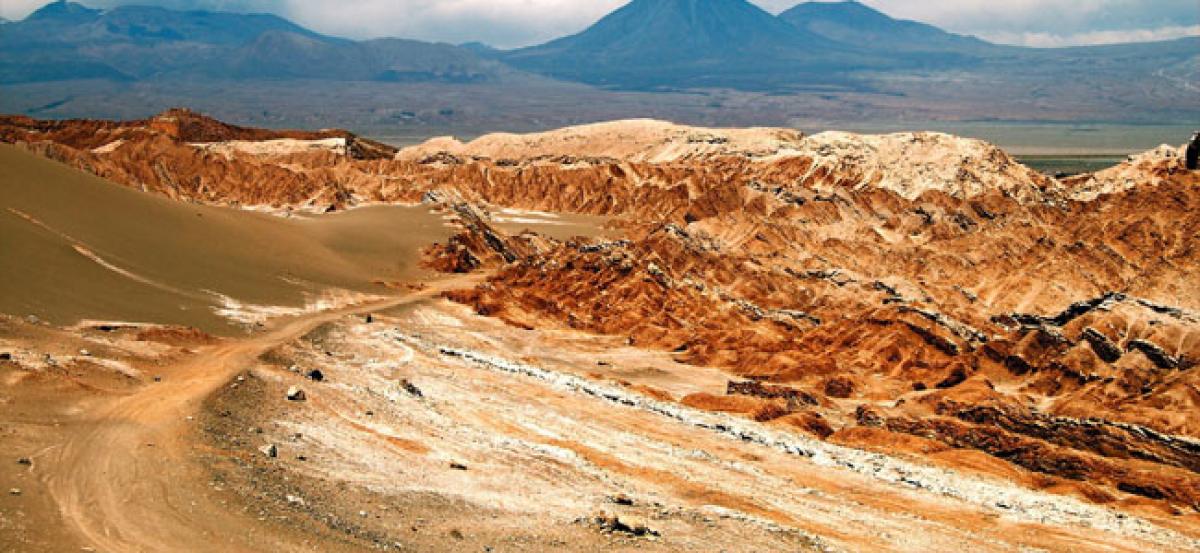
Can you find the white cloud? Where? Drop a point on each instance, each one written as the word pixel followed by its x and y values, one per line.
pixel 499 22
pixel 18 9
pixel 1051 40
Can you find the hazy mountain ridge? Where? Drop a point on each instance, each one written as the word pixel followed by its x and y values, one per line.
pixel 64 40
pixel 853 22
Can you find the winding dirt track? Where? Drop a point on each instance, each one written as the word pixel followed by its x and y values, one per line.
pixel 123 480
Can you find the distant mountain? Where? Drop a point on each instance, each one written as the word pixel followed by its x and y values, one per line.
pixel 480 49
pixel 816 46
pixel 852 22
pixel 65 40
pixel 692 43
pixel 284 55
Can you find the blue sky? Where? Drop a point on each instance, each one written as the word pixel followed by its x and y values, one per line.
pixel 510 23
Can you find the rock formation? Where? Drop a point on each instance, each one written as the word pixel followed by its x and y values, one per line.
pixel 859 288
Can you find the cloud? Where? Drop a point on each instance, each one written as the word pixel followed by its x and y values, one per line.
pixel 1061 17
pixel 18 9
pixel 511 23
pixel 1051 40
pixel 504 23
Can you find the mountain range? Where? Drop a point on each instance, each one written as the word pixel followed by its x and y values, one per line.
pixel 695 59
pixel 65 40
pixel 646 44
pixel 694 43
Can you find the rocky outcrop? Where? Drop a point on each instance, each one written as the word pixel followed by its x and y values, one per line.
pixel 912 164
pixel 1150 169
pixel 1102 345
pixel 638 140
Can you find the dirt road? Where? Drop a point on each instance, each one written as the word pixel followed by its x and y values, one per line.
pixel 123 480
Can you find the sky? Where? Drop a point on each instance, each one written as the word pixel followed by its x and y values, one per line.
pixel 513 23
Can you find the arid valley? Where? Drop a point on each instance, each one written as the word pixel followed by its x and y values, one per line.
pixel 595 331
pixel 630 335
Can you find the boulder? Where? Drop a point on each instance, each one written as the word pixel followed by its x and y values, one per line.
pixel 839 387
pixel 411 388
pixel 626 524
pixel 296 394
pixel 866 416
pixel 269 450
pixel 621 499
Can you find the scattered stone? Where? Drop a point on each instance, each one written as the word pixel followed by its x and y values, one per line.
pixel 411 388
pixel 370 318
pixel 458 466
pixel 25 461
pixel 296 394
pixel 362 514
pixel 157 378
pixel 621 499
pixel 866 416
pixel 6 356
pixel 839 387
pixel 295 500
pixel 269 450
pixel 628 525
pixel 14 491
pixel 85 353
pixel 456 534
pixel 315 375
